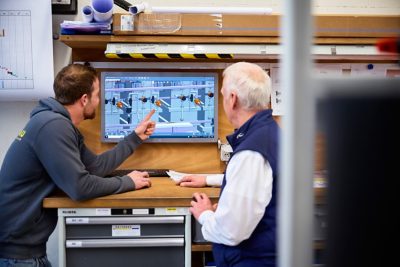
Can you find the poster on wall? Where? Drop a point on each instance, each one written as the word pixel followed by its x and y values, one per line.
pixel 276 95
pixel 26 50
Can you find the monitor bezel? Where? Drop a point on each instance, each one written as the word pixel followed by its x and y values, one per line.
pixel 161 73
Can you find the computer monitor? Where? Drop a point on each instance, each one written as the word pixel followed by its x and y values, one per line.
pixel 185 103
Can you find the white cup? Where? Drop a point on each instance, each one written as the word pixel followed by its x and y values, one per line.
pixel 103 10
pixel 87 13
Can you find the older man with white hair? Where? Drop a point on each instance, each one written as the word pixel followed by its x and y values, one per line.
pixel 243 225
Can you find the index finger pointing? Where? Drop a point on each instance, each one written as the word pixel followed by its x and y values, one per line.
pixel 148 116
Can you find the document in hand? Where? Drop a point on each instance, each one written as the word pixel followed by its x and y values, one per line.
pixel 177 176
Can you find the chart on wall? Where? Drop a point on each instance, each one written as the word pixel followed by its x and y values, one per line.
pixel 16 46
pixel 26 52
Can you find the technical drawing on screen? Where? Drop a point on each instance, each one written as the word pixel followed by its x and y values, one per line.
pixel 186 105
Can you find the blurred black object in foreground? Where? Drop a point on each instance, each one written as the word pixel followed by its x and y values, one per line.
pixel 361 122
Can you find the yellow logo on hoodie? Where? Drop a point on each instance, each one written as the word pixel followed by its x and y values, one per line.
pixel 21 134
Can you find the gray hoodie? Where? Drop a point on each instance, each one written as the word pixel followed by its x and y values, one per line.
pixel 49 153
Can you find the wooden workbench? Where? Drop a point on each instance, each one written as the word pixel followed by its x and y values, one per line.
pixel 163 193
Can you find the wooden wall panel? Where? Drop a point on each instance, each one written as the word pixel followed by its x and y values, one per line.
pixel 193 157
pixel 204 158
pixel 256 25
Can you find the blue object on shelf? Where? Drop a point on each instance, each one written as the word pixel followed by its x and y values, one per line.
pixel 79 27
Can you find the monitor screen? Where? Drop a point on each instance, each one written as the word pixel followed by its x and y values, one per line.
pixel 185 103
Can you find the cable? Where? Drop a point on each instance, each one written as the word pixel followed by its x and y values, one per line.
pixel 123 4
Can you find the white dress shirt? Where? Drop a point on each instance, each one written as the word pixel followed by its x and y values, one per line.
pixel 214 179
pixel 242 204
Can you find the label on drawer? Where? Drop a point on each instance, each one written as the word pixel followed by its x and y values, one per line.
pixel 77 220
pixel 104 212
pixel 125 230
pixel 140 211
pixel 73 244
pixel 171 211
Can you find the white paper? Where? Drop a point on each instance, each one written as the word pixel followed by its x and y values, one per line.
pixel 328 70
pixel 26 50
pixel 368 70
pixel 127 22
pixel 177 176
pixel 125 230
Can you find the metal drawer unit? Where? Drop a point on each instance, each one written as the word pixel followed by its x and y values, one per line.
pixel 125 237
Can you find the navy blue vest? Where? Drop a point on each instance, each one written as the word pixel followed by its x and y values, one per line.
pixel 261 134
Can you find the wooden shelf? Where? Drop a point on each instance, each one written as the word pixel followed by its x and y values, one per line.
pixel 236 29
pixel 101 41
pixel 92 47
pixel 201 247
pixel 318 245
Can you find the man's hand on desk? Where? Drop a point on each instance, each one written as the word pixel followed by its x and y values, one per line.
pixel 140 179
pixel 193 181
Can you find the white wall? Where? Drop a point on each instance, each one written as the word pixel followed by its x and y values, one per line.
pixel 13 116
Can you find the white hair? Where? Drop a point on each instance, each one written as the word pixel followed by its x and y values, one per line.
pixel 251 83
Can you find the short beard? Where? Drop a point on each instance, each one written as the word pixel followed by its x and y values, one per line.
pixel 89 116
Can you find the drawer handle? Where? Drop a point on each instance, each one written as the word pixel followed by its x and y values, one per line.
pixel 124 220
pixel 111 243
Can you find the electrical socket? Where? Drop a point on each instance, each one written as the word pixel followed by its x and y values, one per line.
pixel 226 151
